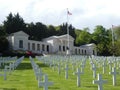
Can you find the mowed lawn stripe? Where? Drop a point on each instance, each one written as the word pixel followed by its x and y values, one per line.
pixel 60 83
pixel 22 78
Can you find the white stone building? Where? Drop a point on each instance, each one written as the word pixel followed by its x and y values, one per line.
pixel 51 45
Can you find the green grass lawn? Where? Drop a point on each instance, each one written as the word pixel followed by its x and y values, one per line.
pixel 23 78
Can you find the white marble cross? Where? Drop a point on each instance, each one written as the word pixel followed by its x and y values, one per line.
pixel 4 74
pixel 45 84
pixel 100 82
pixel 36 70
pixel 94 70
pixel 82 67
pixel 114 75
pixel 104 67
pixel 12 66
pixel 66 72
pixel 73 66
pixel 110 65
pixel 59 68
pixel 78 73
pixel 8 68
pixel 40 74
pixel 54 65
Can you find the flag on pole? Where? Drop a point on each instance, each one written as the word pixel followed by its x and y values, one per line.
pixel 69 13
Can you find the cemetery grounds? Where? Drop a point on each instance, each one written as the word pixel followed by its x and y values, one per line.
pixel 23 77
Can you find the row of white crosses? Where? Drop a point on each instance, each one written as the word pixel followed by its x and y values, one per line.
pixel 37 70
pixel 39 74
pixel 96 62
pixel 5 60
pixel 62 61
pixel 12 66
pixel 113 71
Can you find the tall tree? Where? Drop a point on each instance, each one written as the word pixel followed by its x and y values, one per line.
pixel 101 38
pixel 51 31
pixel 3 44
pixel 14 23
pixel 63 30
pixel 37 31
pixel 84 37
pixel 2 32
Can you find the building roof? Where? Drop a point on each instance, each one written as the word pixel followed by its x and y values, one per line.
pixel 88 45
pixel 59 37
pixel 19 32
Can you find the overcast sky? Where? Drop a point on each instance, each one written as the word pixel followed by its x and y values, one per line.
pixel 85 13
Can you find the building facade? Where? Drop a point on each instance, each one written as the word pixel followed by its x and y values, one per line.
pixel 51 45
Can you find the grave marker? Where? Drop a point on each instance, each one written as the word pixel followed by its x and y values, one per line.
pixel 4 74
pixel 104 67
pixel 40 74
pixel 100 82
pixel 78 73
pixel 45 84
pixel 94 70
pixel 66 71
pixel 110 65
pixel 59 67
pixel 114 75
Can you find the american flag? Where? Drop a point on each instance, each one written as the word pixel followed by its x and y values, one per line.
pixel 69 13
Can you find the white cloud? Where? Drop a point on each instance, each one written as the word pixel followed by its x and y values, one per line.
pixel 85 13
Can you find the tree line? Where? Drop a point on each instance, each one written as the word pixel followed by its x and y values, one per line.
pixel 101 36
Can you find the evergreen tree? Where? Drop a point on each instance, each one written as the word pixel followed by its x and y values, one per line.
pixel 14 23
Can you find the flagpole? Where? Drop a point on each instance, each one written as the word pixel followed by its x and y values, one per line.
pixel 113 40
pixel 68 46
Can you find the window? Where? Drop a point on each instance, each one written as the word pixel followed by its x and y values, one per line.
pixel 33 46
pixel 79 51
pixel 47 48
pixel 63 48
pixel 43 47
pixel 76 51
pixel 85 52
pixel 20 43
pixel 28 46
pixel 82 51
pixel 59 48
pixel 38 47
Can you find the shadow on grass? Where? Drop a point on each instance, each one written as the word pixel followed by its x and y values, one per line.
pixel 91 86
pixel 54 88
pixel 8 89
pixel 3 66
pixel 24 66
pixel 42 65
